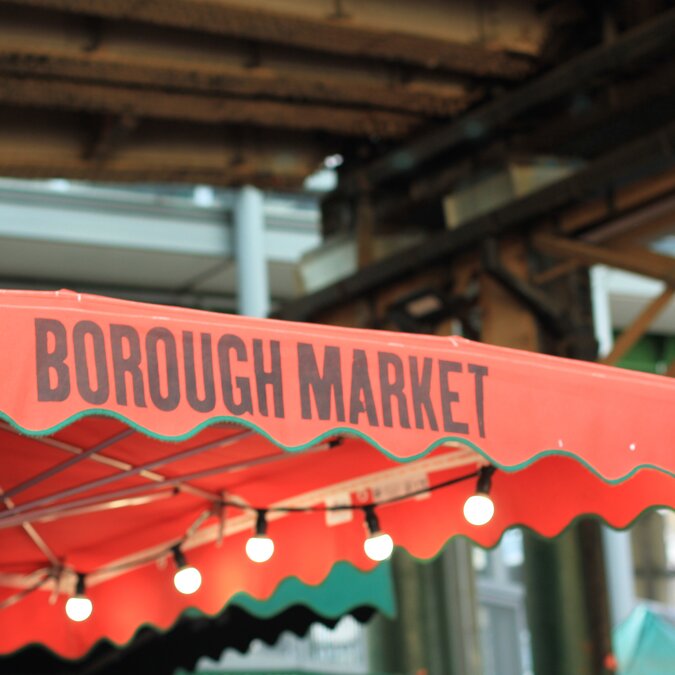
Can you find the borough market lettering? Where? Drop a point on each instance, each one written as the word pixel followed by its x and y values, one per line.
pixel 166 370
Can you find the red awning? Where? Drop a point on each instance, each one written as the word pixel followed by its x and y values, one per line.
pixel 130 429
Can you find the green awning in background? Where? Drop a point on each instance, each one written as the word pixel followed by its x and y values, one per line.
pixel 644 644
pixel 344 588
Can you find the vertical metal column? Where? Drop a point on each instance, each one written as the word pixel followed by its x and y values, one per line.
pixel 253 295
pixel 435 631
pixel 617 545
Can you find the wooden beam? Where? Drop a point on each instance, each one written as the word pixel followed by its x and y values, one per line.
pixel 635 260
pixel 169 59
pixel 382 29
pixel 153 103
pixel 639 327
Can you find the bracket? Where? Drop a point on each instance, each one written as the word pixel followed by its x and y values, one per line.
pixel 428 307
pixel 547 310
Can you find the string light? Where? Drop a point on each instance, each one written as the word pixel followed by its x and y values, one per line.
pixel 79 607
pixel 187 578
pixel 479 508
pixel 260 547
pixel 379 545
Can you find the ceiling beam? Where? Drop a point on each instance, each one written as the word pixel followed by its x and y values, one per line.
pixel 394 30
pixel 210 109
pixel 606 114
pixel 35 43
pixel 622 110
pixel 656 37
pixel 48 143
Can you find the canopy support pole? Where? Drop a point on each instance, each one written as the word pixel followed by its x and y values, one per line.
pixel 117 464
pixel 567 599
pixel 58 468
pixel 249 227
pixel 33 534
pixel 180 482
pixel 134 471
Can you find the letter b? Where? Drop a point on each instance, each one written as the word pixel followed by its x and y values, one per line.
pixel 48 362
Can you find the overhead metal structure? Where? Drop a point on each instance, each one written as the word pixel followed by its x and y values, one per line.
pixel 230 92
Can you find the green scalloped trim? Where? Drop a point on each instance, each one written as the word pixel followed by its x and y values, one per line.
pixel 333 431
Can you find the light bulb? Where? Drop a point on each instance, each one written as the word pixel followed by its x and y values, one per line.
pixel 259 548
pixel 187 580
pixel 79 608
pixel 479 509
pixel 378 546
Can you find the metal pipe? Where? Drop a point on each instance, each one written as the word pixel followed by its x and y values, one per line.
pixel 12 519
pixel 84 487
pixel 66 511
pixel 33 535
pixel 249 226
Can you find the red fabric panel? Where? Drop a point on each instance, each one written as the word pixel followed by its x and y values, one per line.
pixel 403 392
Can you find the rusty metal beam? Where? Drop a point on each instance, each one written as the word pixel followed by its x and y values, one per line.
pixel 209 109
pixel 398 31
pixel 45 144
pixel 635 47
pixel 44 44
pixel 645 157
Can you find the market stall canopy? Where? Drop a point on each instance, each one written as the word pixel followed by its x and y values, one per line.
pixel 136 433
